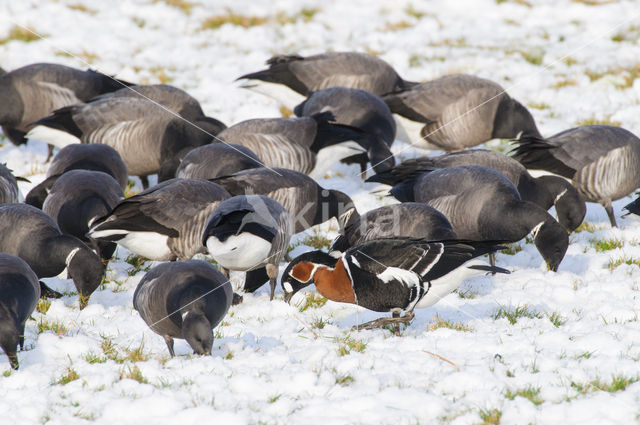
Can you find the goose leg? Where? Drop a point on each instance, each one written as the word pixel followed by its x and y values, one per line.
pixel 145 182
pixel 169 341
pixel 21 339
pixel 396 319
pixel 612 218
pixel 272 272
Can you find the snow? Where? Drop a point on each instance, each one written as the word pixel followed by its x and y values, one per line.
pixel 274 364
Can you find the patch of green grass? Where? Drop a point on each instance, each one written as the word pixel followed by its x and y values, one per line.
pixel 584 355
pixel 43 305
pixel 69 376
pixel 319 323
pixel 18 33
pixel 136 262
pixel 513 314
pixel 133 373
pixel 135 354
pixel 534 56
pixel 585 226
pixel 233 18
pixel 183 5
pixel 317 241
pixel 466 293
pixel 349 344
pixel 530 393
pixel 439 322
pixel 556 319
pixel 512 249
pixel 6 373
pixel 344 380
pixel 285 112
pixel 93 358
pixel 617 383
pixel 564 82
pixel 161 74
pixel 411 11
pixel 313 300
pixel 229 355
pixel 614 263
pixel 274 398
pixel 55 326
pixel 490 416
pixel 81 8
pixel 602 245
pixel 416 61
pixel 86 416
pixel 594 2
pixel 395 26
pixel 597 121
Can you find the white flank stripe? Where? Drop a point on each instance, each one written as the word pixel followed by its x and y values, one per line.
pixel 73 252
pixel 560 196
pixel 57 138
pixel 402 275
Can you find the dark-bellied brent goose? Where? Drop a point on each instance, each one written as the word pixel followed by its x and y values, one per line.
pixel 217 160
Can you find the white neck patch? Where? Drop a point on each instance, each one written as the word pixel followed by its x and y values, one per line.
pixel 560 195
pixel 73 252
pixel 184 315
pixel 536 229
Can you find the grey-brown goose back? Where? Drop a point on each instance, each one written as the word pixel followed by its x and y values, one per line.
pixel 602 161
pixel 460 111
pixel 216 160
pixel 9 192
pixel 35 91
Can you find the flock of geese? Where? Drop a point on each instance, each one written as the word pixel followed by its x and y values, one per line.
pixel 238 193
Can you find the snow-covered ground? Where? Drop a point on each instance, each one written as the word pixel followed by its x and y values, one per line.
pixel 569 355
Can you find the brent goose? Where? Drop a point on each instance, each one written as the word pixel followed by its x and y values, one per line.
pixel 216 160
pixel 150 138
pixel 184 300
pixel 458 111
pixel 35 91
pixel 361 109
pixel 305 200
pixel 602 161
pixel 9 192
pixel 96 157
pixel 164 222
pixel 397 274
pixel 32 235
pixel 19 293
pixel 290 78
pixel 410 219
pixel 292 142
pixel 77 199
pixel 482 204
pixel 633 207
pixel 545 191
pixel 249 233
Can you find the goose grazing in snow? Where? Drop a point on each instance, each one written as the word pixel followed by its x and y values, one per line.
pixel 458 111
pixel 409 219
pixel 602 161
pixel 35 91
pixel 216 160
pixel 360 109
pixel 19 294
pixel 397 274
pixel 77 199
pixel 150 137
pixel 482 204
pixel 80 157
pixel 184 300
pixel 305 200
pixel 544 191
pixel 290 78
pixel 291 143
pixel 9 192
pixel 249 233
pixel 32 235
pixel 164 222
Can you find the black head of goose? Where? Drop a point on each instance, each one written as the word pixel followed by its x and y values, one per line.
pixel 408 219
pixel 35 91
pixel 149 137
pixel 544 191
pixel 164 222
pixel 32 235
pixel 633 207
pixel 9 192
pixel 291 142
pixel 96 157
pixel 305 200
pixel 19 293
pixel 360 109
pixel 216 160
pixel 482 204
pixel 291 77
pixel 397 274
pixel 184 300
pixel 249 233
pixel 458 111
pixel 602 161
pixel 77 199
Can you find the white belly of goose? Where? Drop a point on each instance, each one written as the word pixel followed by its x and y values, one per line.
pixel 443 286
pixel 57 138
pixel 239 252
pixel 147 244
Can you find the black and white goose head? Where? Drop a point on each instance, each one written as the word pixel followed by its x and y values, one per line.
pixel 197 331
pixel 552 241
pixel 87 270
pixel 300 272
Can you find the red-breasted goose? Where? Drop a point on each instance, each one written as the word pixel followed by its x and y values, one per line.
pixel 602 161
pixel 397 274
pixel 249 233
pixel 544 191
pixel 290 78
pixel 19 293
pixel 458 111
pixel 185 300
pixel 164 222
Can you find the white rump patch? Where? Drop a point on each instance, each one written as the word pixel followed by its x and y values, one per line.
pixel 57 138
pixel 402 275
pixel 239 252
pixel 409 132
pixel 280 92
pixel 72 254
